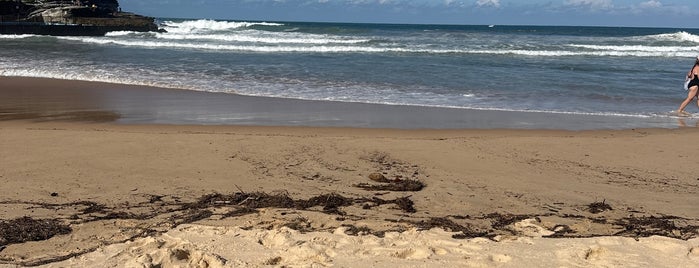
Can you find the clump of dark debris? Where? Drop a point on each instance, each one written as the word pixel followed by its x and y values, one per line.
pixel 273 261
pixel 393 175
pixel 249 200
pixel 667 226
pixel 331 203
pixel 499 220
pixel 190 216
pixel 25 229
pixel 299 224
pixel 403 203
pixel 598 207
pixel 239 212
pixel 363 230
pixel 398 185
pixel 451 226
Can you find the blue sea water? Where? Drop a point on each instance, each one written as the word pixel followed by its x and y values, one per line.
pixel 604 71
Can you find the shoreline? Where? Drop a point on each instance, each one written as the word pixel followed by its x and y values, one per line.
pixel 56 99
pixel 182 194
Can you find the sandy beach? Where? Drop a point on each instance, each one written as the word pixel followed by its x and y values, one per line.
pixel 87 183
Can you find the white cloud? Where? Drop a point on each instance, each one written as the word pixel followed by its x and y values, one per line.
pixel 371 2
pixel 592 4
pixel 651 4
pixel 493 3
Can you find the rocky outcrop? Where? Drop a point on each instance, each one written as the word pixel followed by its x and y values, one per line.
pixel 26 16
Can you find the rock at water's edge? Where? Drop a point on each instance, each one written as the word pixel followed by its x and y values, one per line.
pixel 69 17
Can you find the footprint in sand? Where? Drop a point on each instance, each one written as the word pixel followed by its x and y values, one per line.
pixel 595 253
pixel 413 254
pixel 439 251
pixel 693 253
pixel 500 258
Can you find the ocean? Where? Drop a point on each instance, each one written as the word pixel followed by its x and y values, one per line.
pixel 633 73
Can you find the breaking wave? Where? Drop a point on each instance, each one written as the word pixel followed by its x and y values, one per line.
pixel 681 36
pixel 197 26
pixel 320 45
pixel 276 38
pixel 228 36
pixel 16 36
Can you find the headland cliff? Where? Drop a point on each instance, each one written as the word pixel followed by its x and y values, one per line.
pixel 69 17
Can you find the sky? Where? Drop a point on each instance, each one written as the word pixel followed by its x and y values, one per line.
pixel 638 13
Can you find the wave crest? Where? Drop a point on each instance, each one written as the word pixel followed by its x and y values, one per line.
pixel 587 50
pixel 681 36
pixel 16 36
pixel 638 48
pixel 281 38
pixel 194 26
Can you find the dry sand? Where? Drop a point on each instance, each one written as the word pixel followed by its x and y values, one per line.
pixel 124 185
pixel 113 195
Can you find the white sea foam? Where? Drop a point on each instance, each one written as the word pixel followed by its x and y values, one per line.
pixel 209 25
pixel 678 36
pixel 131 35
pixel 214 31
pixel 247 48
pixel 601 53
pixel 82 76
pixel 638 48
pixel 119 33
pixel 328 46
pixel 16 36
pixel 268 38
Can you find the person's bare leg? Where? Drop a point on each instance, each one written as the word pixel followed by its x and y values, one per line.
pixel 690 97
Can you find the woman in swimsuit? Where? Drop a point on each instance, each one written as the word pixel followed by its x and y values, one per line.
pixel 693 87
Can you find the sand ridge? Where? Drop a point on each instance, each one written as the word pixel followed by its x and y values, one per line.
pixel 207 246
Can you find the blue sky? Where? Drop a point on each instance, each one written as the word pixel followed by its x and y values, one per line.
pixel 644 13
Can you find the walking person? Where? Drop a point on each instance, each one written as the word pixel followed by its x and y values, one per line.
pixel 693 87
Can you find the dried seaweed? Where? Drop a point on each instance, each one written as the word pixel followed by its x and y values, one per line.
pixel 273 261
pixel 598 207
pixel 451 226
pixel 663 226
pixel 408 185
pixel 329 202
pixel 239 212
pixel 25 229
pixel 501 220
pixel 92 207
pixel 403 203
pixel 250 200
pixel 242 203
pixel 299 224
pixel 191 216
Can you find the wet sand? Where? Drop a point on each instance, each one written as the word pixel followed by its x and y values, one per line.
pixel 96 193
pixel 50 99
